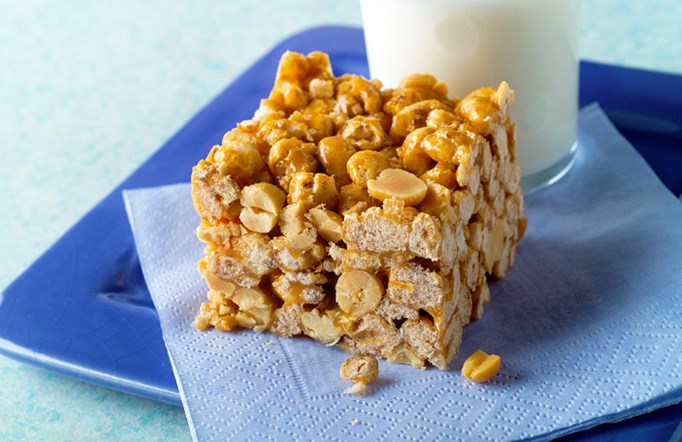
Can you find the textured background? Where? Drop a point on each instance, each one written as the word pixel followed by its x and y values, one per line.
pixel 88 90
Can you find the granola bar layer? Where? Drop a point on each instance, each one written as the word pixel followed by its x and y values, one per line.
pixel 362 216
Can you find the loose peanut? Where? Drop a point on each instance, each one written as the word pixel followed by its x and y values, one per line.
pixel 362 370
pixel 481 367
pixel 397 183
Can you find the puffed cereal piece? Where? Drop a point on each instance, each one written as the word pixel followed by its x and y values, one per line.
pixel 366 165
pixel 334 152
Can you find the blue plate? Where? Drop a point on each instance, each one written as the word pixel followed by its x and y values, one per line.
pixel 83 308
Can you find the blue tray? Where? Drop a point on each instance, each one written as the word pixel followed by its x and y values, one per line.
pixel 83 308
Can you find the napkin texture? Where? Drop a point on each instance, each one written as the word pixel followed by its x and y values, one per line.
pixel 588 324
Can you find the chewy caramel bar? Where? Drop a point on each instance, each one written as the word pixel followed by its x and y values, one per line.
pixel 361 216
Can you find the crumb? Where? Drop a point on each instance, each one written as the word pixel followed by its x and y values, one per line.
pixel 359 369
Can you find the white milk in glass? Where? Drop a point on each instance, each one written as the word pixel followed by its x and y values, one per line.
pixel 532 44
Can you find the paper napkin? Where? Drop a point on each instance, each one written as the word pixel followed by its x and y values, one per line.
pixel 588 324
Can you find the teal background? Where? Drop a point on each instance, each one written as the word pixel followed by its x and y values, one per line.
pixel 90 89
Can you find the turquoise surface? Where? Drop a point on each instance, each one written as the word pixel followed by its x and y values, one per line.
pixel 88 90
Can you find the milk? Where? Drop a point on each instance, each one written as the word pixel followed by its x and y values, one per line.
pixel 532 44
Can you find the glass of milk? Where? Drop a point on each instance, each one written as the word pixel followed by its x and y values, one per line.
pixel 531 44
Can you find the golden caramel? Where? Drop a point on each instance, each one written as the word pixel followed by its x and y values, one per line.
pixel 334 152
pixel 361 216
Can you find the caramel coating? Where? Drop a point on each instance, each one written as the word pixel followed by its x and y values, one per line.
pixel 368 217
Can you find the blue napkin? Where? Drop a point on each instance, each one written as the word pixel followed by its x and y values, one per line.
pixel 588 324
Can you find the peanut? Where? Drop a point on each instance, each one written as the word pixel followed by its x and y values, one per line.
pixel 258 220
pixel 358 292
pixel 481 367
pixel 292 219
pixel 327 223
pixel 255 306
pixel 264 196
pixel 320 326
pixel 397 183
pixel 446 144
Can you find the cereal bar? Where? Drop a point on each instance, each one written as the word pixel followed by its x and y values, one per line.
pixel 366 217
